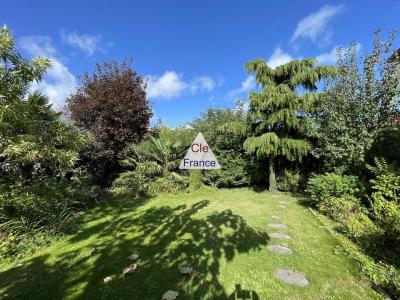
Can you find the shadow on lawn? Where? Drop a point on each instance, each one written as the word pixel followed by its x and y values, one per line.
pixel 165 238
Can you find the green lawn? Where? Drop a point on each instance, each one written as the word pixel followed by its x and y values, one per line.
pixel 222 234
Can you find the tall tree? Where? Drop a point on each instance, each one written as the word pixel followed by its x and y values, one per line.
pixel 33 139
pixel 359 103
pixel 278 114
pixel 16 72
pixel 112 105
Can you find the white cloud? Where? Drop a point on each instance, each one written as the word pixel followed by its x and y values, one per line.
pixel 87 43
pixel 330 58
pixel 278 58
pixel 204 83
pixel 171 85
pixel 248 84
pixel 58 82
pixel 315 26
pixel 167 86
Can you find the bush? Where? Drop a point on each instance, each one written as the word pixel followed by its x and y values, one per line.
pixel 32 214
pixel 47 204
pixel 289 181
pixel 171 184
pixel 232 174
pixel 322 187
pixel 338 209
pixel 387 217
pixel 195 179
pixel 361 229
pixel 131 182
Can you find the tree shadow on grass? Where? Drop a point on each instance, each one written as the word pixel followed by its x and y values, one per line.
pixel 165 238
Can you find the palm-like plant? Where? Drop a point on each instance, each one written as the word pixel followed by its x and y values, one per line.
pixel 156 156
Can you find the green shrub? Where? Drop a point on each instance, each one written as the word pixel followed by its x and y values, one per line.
pixel 171 184
pixel 233 172
pixel 131 182
pixel 338 209
pixel 387 217
pixel 195 179
pixel 41 210
pixel 321 187
pixel 361 229
pixel 289 181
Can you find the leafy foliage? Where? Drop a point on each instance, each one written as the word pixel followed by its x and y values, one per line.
pixel 321 187
pixel 40 192
pixel 154 158
pixel 277 115
pixel 358 104
pixel 16 73
pixel 289 181
pixel 226 145
pixel 111 104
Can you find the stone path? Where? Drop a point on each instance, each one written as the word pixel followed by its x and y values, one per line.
pixel 280 249
pixel 286 276
pixel 290 277
pixel 277 226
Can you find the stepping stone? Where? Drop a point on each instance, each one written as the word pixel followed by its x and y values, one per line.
pixel 291 277
pixel 280 236
pixel 108 279
pixel 186 270
pixel 129 269
pixel 275 217
pixel 277 226
pixel 133 256
pixel 280 249
pixel 169 295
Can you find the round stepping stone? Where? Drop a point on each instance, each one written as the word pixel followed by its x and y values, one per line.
pixel 275 217
pixel 277 226
pixel 291 277
pixel 170 295
pixel 108 279
pixel 280 236
pixel 280 249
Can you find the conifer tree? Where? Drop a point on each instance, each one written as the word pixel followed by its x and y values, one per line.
pixel 278 114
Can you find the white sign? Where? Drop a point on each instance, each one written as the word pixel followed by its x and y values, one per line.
pixel 199 156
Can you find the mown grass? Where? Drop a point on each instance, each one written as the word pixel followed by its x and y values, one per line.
pixel 221 233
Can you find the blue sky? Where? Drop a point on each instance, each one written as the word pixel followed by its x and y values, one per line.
pixel 191 52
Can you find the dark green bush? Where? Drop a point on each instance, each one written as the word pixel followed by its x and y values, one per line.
pixel 233 172
pixel 32 214
pixel 131 182
pixel 320 187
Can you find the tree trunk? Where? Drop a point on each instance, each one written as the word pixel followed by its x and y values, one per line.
pixel 165 170
pixel 272 179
